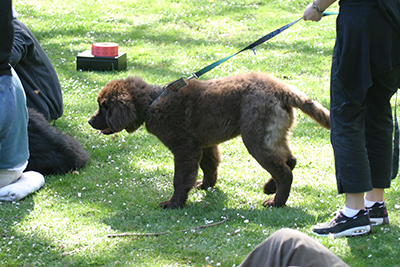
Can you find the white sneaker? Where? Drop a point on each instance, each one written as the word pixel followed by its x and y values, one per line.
pixel 28 182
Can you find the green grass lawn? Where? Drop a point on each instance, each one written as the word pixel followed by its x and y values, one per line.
pixel 66 223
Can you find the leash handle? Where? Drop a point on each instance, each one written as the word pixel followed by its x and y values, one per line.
pixel 329 13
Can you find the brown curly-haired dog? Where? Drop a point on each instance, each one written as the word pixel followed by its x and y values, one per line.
pixel 192 121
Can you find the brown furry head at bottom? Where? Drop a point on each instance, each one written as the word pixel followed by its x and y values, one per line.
pixel 192 121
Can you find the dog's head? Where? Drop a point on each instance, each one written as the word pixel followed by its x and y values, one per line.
pixel 117 107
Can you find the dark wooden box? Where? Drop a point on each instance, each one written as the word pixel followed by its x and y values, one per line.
pixel 86 61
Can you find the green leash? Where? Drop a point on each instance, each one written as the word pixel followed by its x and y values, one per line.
pixel 251 46
pixel 174 86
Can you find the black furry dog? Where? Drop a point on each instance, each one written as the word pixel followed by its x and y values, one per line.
pixel 51 151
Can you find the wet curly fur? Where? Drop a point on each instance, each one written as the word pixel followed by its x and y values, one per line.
pixel 194 120
pixel 51 151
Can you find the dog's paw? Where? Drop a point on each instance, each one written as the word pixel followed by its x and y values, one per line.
pixel 270 187
pixel 200 185
pixel 169 205
pixel 272 203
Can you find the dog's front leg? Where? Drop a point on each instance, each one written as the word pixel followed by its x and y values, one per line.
pixel 186 170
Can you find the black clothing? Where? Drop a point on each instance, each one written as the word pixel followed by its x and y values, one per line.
pixel 361 134
pixel 37 74
pixel 365 74
pixel 367 44
pixel 390 9
pixel 6 35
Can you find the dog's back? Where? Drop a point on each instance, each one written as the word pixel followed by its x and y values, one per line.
pixel 235 98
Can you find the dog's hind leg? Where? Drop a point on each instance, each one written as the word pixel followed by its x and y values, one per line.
pixel 186 160
pixel 209 164
pixel 273 154
pixel 270 186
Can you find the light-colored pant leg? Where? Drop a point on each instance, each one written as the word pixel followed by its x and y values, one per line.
pixel 287 247
pixel 8 177
pixel 14 147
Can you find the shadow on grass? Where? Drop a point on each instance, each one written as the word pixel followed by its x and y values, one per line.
pixel 19 249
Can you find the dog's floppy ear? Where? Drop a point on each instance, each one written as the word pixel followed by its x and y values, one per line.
pixel 119 115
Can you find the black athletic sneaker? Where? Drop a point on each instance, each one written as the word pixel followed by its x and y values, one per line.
pixel 345 226
pixel 378 214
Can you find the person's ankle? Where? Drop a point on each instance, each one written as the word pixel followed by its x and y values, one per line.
pixel 350 213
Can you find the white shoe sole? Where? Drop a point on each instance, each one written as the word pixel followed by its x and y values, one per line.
pixel 379 221
pixel 356 231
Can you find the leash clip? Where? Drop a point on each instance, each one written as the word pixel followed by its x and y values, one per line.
pixel 193 76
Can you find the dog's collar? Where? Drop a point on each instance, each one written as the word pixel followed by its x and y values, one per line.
pixel 174 86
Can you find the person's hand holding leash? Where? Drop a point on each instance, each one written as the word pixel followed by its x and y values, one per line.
pixel 314 11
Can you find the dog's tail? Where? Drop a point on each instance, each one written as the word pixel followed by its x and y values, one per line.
pixel 312 108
